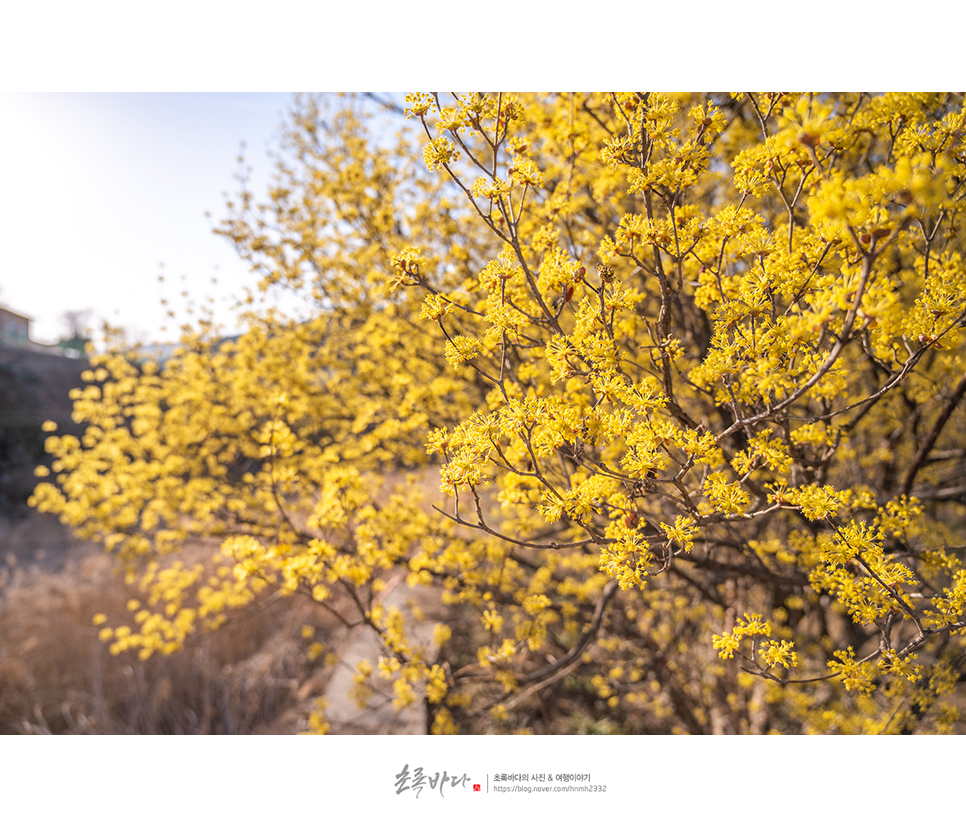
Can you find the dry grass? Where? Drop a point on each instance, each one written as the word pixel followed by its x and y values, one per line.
pixel 56 676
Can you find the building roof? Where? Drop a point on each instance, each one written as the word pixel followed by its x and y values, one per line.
pixel 15 313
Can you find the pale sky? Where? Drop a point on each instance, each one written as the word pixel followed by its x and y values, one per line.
pixel 97 190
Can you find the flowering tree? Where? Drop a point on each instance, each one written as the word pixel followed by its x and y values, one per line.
pixel 690 366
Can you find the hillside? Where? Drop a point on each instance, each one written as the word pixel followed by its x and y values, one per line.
pixel 34 387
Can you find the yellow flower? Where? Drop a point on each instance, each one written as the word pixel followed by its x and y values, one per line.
pixel 441 634
pixel 439 153
pixel 726 644
pixel 434 307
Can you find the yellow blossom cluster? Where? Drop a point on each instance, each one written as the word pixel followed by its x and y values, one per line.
pixel 677 357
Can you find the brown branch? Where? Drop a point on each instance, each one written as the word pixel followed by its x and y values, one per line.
pixel 534 545
pixel 547 675
pixel 609 590
pixel 933 435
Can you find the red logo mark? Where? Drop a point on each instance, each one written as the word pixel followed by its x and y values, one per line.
pixel 476 787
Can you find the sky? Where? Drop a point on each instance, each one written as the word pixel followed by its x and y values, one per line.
pixel 99 190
